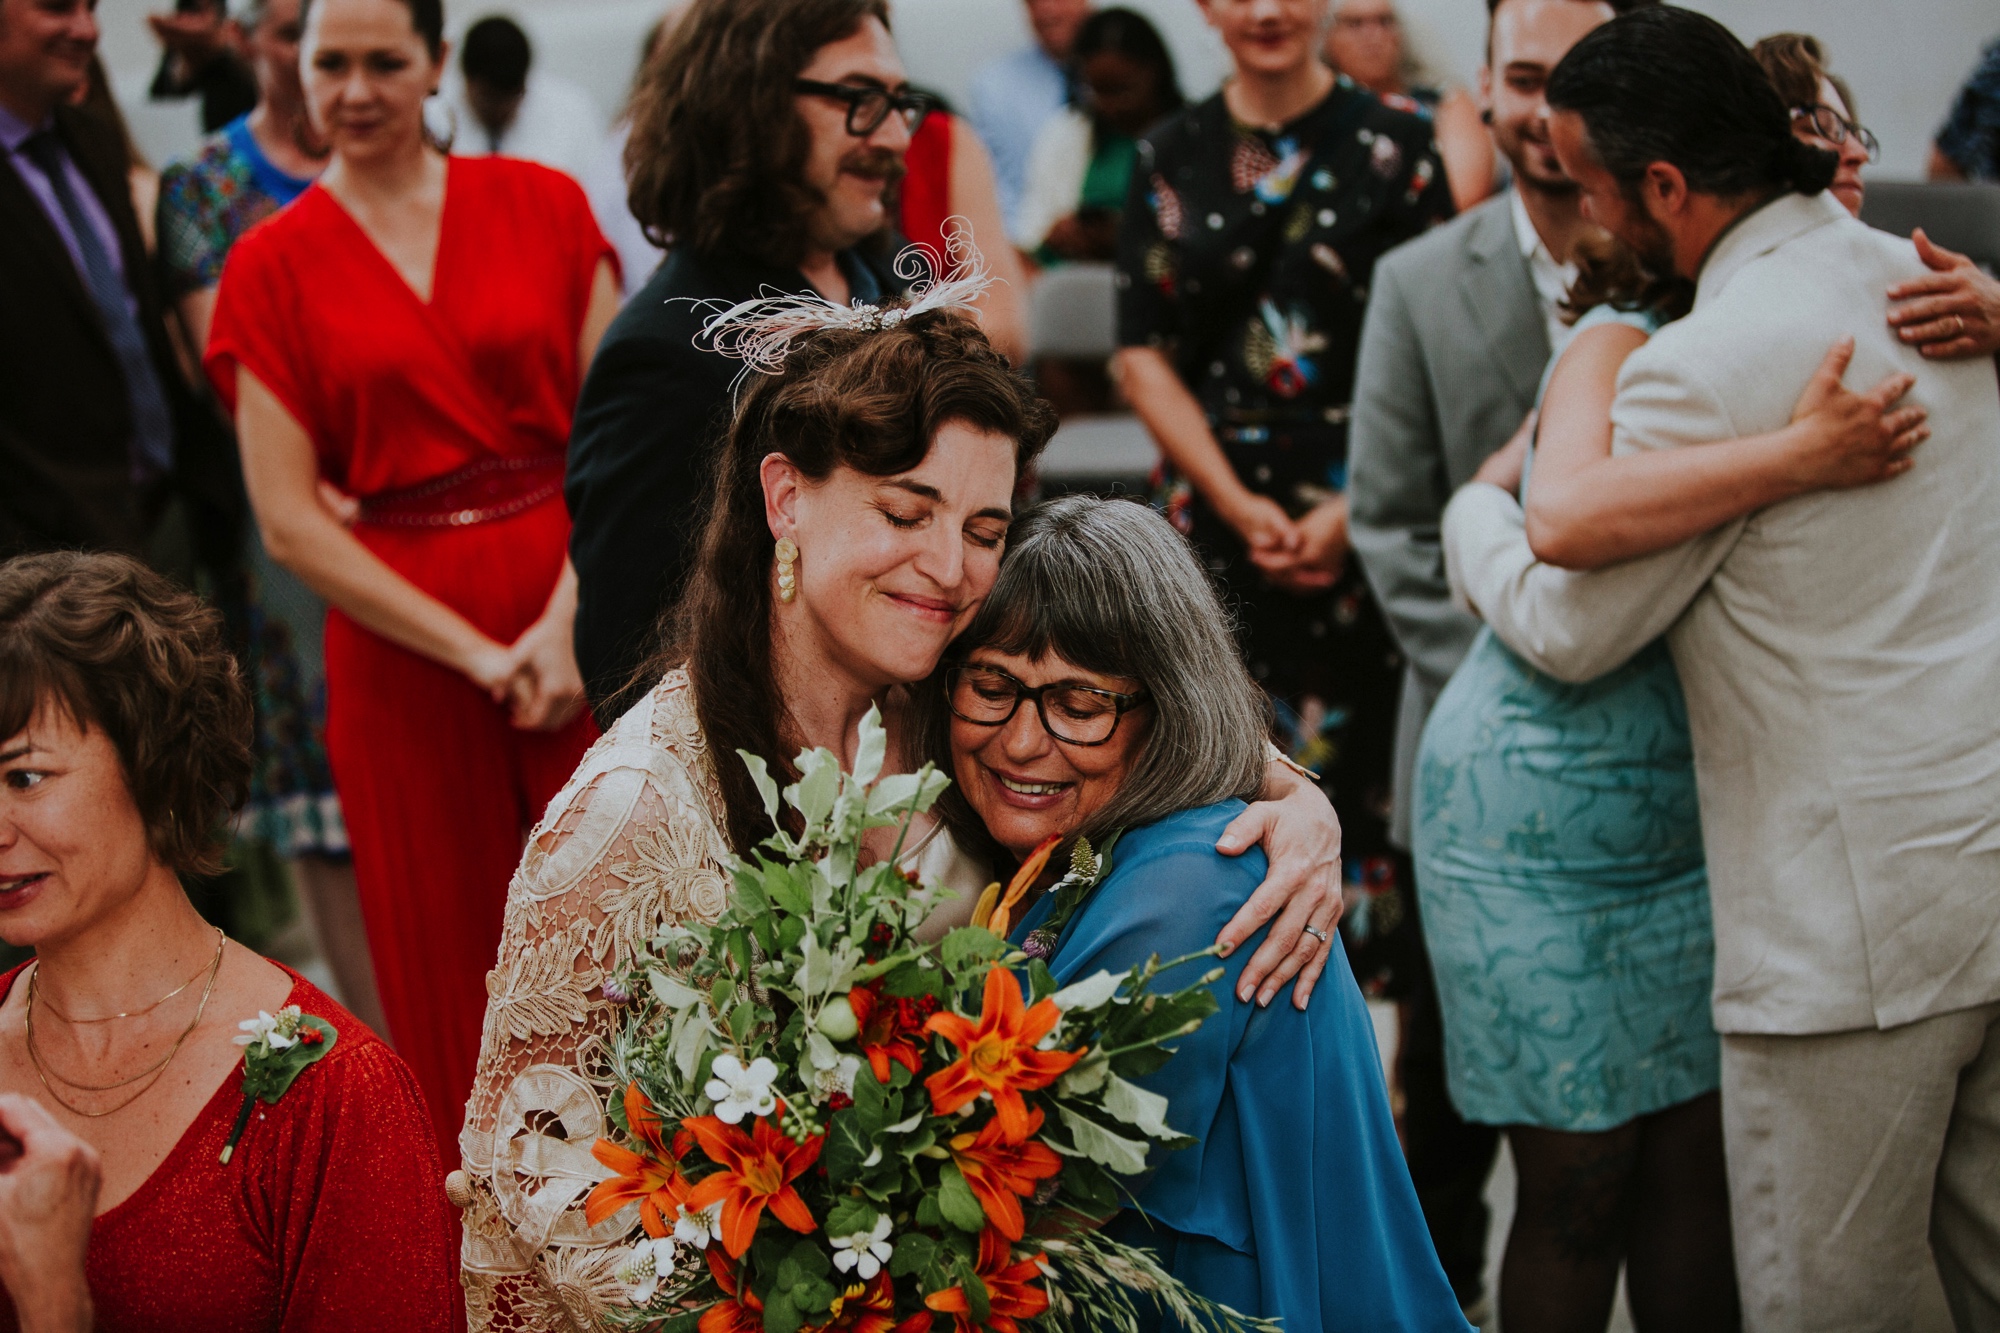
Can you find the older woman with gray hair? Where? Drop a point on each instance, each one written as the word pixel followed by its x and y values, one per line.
pixel 1144 734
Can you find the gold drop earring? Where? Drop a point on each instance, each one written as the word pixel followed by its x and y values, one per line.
pixel 788 578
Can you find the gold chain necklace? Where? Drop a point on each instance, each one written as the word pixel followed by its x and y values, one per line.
pixel 130 1013
pixel 157 1072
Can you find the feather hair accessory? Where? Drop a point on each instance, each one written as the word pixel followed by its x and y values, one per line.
pixel 760 332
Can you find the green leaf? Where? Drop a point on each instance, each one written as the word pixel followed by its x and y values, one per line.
pixel 1123 1155
pixel 818 785
pixel 975 1291
pixel 968 945
pixel 784 888
pixel 811 1259
pixel 927 1212
pixel 1143 1110
pixel 1139 1063
pixel 850 1216
pixel 760 774
pixel 780 1315
pixel 815 1296
pixel 847 1147
pixel 741 1019
pixel 1085 1077
pixel 893 793
pixel 909 980
pixel 671 993
pixel 690 1040
pixel 957 1202
pixel 871 747
pixel 1041 982
pixel 721 994
pixel 914 1252
pixel 267 1074
pixel 1092 992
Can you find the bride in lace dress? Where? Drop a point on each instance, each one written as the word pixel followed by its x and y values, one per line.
pixel 861 509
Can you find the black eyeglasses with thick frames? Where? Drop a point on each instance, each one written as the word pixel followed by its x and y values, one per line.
pixel 1833 127
pixel 1073 714
pixel 868 105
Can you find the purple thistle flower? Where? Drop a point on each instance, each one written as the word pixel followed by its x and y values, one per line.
pixel 1039 944
pixel 614 991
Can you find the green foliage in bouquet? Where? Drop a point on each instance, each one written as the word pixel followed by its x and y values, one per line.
pixel 828 1125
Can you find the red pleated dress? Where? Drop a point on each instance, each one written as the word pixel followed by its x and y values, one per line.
pixel 330 1216
pixel 449 421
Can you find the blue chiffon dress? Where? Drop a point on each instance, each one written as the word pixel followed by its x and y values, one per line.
pixel 1295 1203
pixel 1564 890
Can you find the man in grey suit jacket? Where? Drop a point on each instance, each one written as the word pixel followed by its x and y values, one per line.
pixel 1460 324
pixel 1840 655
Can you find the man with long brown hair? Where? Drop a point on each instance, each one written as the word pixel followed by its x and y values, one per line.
pixel 763 140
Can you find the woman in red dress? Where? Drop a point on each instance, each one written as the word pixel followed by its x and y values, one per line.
pixel 125 735
pixel 412 333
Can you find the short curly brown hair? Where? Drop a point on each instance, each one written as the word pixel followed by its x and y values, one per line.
pixel 122 648
pixel 716 159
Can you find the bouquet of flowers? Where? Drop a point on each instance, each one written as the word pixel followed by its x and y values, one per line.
pixel 827 1125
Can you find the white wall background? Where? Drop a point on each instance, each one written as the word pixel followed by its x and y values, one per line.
pixel 1904 58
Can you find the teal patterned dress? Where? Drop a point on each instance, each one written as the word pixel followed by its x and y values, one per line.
pixel 1564 891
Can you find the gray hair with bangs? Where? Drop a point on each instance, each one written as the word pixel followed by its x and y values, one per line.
pixel 1110 586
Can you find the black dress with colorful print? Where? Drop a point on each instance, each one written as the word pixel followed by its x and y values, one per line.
pixel 1245 257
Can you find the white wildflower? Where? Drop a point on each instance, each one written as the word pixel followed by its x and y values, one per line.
pixel 699 1228
pixel 738 1092
pixel 839 1079
pixel 274 1030
pixel 651 1259
pixel 864 1252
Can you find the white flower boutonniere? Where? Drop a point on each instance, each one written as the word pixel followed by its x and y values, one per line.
pixel 278 1047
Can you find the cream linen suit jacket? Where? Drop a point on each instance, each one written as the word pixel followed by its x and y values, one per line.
pixel 1840 652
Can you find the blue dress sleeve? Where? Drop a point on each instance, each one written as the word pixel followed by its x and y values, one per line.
pixel 1298 1169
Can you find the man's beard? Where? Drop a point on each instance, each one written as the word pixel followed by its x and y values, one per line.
pixel 1646 237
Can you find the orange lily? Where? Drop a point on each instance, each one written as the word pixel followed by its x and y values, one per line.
pixel 757 1172
pixel 999 1055
pixel 995 911
pixel 652 1177
pixel 892 1028
pixel 1000 1172
pixel 739 1311
pixel 868 1307
pixel 1010 1294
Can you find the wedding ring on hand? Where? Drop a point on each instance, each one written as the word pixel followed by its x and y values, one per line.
pixel 1960 330
pixel 1317 934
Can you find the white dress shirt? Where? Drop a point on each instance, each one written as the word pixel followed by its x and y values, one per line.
pixel 1552 280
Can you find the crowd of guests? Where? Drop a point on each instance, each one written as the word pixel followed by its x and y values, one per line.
pixel 1656 782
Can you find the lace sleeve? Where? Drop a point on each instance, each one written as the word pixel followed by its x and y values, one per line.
pixel 628 846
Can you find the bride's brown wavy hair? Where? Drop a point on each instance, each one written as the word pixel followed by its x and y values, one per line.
pixel 868 400
pixel 716 159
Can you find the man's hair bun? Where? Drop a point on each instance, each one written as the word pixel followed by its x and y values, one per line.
pixel 1805 167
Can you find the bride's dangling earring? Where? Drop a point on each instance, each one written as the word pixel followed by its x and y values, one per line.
pixel 788 578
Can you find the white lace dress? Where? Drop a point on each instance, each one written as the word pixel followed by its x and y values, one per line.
pixel 633 842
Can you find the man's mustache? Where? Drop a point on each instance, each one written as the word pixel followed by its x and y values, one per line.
pixel 874 164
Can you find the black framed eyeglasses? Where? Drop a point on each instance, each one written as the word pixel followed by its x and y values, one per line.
pixel 1833 127
pixel 868 105
pixel 1073 714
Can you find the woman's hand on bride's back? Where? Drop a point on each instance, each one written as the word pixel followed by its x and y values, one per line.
pixel 1839 438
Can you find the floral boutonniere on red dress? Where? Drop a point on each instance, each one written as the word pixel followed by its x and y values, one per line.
pixel 278 1048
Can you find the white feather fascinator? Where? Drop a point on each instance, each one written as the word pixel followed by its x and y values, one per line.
pixel 760 332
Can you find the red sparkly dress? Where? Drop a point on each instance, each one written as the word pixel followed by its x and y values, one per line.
pixel 448 419
pixel 330 1217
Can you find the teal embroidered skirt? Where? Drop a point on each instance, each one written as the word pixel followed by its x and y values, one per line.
pixel 1564 893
